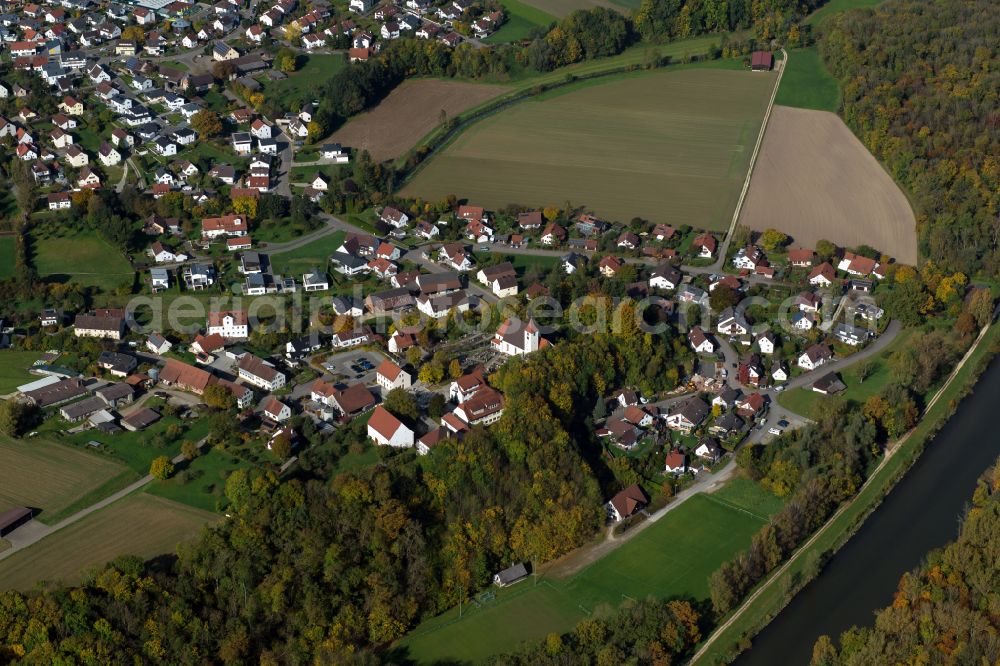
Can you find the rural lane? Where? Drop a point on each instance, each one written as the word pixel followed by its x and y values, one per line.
pixel 21 538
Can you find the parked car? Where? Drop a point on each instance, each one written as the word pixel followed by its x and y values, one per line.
pixel 774 430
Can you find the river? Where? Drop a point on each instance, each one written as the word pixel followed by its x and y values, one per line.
pixel 921 513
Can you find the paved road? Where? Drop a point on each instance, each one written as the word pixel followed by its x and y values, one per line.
pixel 21 538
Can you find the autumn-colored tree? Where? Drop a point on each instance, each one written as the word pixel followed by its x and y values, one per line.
pixel 772 239
pixel 245 206
pixel 281 446
pixel 207 123
pixel 189 449
pixel 455 369
pixel 161 468
pixel 134 33
pixel 218 397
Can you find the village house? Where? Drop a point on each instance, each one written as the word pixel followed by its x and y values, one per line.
pixel 232 325
pixel 626 503
pixel 260 373
pixel 103 323
pixel 814 357
pixel 687 414
pixel 386 430
pixel 700 342
pixel 390 376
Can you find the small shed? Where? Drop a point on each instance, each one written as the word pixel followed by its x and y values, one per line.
pixel 761 61
pixel 511 575
pixel 13 518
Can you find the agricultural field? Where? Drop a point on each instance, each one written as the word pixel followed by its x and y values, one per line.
pixel 807 83
pixel 409 112
pixel 317 253
pixel 139 524
pixel 814 180
pixel 522 20
pixel 673 557
pixel 81 257
pixel 835 7
pixel 54 478
pixel 8 256
pixel 14 369
pixel 677 153
pixel 561 8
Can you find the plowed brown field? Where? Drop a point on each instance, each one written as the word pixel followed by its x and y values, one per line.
pixel 815 180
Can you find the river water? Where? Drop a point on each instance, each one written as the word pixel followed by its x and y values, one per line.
pixel 921 513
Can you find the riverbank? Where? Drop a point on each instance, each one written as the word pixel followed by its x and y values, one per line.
pixel 772 595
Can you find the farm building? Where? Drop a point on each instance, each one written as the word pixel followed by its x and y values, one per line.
pixel 761 61
pixel 511 575
pixel 13 518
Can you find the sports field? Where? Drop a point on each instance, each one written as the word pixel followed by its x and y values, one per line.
pixel 55 478
pixel 409 112
pixel 814 180
pixel 672 557
pixel 139 524
pixel 82 257
pixel 668 146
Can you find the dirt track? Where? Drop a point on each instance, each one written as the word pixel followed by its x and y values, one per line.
pixel 814 180
pixel 408 113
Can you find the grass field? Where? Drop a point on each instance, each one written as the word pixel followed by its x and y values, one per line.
pixel 837 6
pixel 136 449
pixel 202 482
pixel 410 111
pixel 8 255
pixel 317 253
pixel 672 557
pixel 676 153
pixel 805 401
pixel 807 83
pixel 140 525
pixel 815 180
pixel 522 20
pixel 14 369
pixel 54 478
pixel 561 8
pixel 304 85
pixel 81 257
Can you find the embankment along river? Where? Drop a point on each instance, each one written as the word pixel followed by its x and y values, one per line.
pixel 921 513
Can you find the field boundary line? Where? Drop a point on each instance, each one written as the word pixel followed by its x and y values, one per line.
pixel 736 507
pixel 801 550
pixel 753 161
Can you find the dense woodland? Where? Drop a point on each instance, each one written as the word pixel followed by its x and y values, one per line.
pixel 948 611
pixel 920 82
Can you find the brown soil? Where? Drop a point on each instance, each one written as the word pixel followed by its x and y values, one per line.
pixel 815 180
pixel 409 112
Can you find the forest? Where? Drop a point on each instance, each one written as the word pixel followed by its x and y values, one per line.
pixel 920 82
pixel 944 612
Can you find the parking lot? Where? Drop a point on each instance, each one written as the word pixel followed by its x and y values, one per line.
pixel 353 366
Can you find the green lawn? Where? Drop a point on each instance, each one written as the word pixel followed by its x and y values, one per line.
pixel 837 6
pixel 522 20
pixel 685 137
pixel 202 482
pixel 672 557
pixel 216 101
pixel 81 257
pixel 304 85
pixel 306 174
pixel 316 253
pixel 8 253
pixel 136 449
pixel 807 84
pixel 14 369
pixel 805 401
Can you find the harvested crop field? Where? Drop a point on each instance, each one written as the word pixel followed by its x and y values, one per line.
pixel 814 180
pixel 53 477
pixel 670 146
pixel 140 524
pixel 409 112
